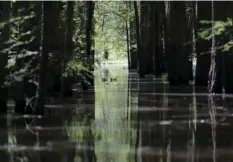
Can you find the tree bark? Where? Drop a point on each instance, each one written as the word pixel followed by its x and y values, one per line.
pixel 212 71
pixel 137 33
pixel 66 83
pixel 46 42
pixel 179 66
pixel 5 16
pixel 157 17
pixel 127 41
pixel 89 27
pixel 89 36
pixel 145 56
pixel 223 60
pixel 132 39
pixel 203 60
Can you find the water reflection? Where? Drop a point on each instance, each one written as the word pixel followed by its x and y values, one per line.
pixel 124 120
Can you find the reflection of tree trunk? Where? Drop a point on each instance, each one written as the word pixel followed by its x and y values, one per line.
pixel 192 128
pixel 30 136
pixel 91 152
pixel 4 17
pixel 4 155
pixel 164 113
pixel 128 97
pixel 212 113
pixel 137 137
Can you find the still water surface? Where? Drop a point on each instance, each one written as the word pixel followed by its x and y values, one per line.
pixel 126 119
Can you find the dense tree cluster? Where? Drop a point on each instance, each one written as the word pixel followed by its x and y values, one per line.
pixel 51 45
pixel 38 48
pixel 171 36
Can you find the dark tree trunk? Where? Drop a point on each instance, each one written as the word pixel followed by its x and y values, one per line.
pixel 179 66
pixel 4 16
pixel 145 56
pixel 153 35
pixel 157 17
pixel 89 27
pixel 132 39
pixel 66 83
pixel 228 58
pixel 89 36
pixel 223 60
pixel 70 14
pixel 202 46
pixel 35 45
pixel 137 33
pixel 142 57
pixel 212 70
pixel 48 17
pixel 190 36
pixel 127 41
pixel 194 36
pixel 21 9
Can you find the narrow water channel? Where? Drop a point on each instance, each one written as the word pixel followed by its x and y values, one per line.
pixel 124 119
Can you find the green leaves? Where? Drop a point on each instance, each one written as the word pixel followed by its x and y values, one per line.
pixel 222 30
pixel 20 46
pixel 111 18
pixel 227 46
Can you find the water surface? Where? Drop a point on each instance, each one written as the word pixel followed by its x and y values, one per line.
pixel 126 119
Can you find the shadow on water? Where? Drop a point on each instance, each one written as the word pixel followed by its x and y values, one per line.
pixel 126 119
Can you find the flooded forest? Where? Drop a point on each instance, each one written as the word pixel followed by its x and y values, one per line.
pixel 116 81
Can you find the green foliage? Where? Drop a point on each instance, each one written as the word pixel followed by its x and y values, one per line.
pixel 80 68
pixel 22 33
pixel 222 30
pixel 110 34
pixel 24 44
pixel 79 64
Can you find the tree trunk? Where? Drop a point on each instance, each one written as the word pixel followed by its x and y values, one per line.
pixel 202 46
pixel 179 66
pixel 89 27
pixel 46 43
pixel 5 16
pixel 66 83
pixel 142 58
pixel 89 36
pixel 224 80
pixel 70 14
pixel 145 56
pixel 137 33
pixel 127 41
pixel 194 37
pixel 228 59
pixel 132 39
pixel 212 71
pixel 158 13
